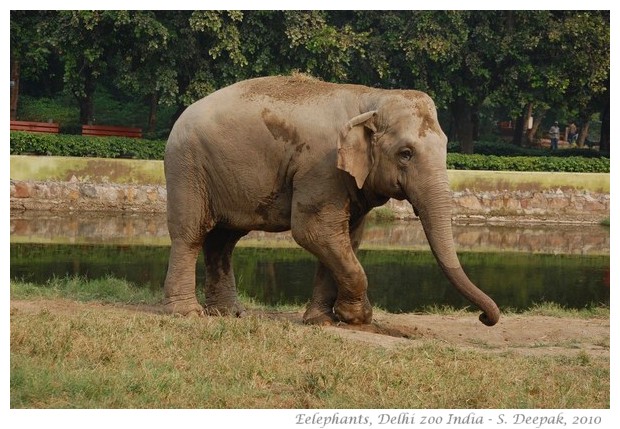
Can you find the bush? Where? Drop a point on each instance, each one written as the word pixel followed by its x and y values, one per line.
pixel 77 145
pixel 528 163
pixel 508 149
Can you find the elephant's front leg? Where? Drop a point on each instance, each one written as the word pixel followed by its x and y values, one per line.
pixel 320 311
pixel 341 281
pixel 220 286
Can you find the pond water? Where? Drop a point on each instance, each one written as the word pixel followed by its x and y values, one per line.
pixel 517 266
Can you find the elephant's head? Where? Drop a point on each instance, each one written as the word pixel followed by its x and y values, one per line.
pixel 399 151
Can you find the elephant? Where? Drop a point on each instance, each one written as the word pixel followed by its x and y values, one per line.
pixel 296 153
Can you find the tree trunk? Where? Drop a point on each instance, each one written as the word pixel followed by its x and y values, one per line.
pixel 518 131
pixel 14 87
pixel 531 134
pixel 521 130
pixel 464 125
pixel 153 103
pixel 475 119
pixel 86 101
pixel 583 133
pixel 604 143
pixel 87 110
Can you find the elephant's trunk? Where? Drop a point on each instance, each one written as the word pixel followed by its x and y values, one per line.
pixel 434 207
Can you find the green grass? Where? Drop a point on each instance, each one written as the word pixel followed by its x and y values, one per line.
pixel 114 290
pixel 381 214
pixel 108 289
pixel 108 357
pixel 550 309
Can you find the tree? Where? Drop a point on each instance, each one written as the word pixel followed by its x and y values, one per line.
pixel 553 61
pixel 453 55
pixel 321 47
pixel 84 39
pixel 29 50
pixel 145 65
pixel 584 41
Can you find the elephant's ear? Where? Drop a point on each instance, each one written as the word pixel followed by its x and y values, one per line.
pixel 354 147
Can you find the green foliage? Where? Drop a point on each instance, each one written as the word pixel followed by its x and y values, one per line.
pixel 507 149
pixel 77 145
pixel 110 110
pixel 59 110
pixel 458 161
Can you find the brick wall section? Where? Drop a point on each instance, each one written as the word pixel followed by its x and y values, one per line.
pixel 559 205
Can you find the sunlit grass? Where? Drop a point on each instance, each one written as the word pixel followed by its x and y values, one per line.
pixel 109 357
pixel 118 359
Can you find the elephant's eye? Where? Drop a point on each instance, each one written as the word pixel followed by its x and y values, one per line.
pixel 405 155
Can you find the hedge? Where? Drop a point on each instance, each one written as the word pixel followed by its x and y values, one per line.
pixel 77 145
pixel 573 164
pixel 121 147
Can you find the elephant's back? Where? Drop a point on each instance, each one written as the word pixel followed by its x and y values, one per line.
pixel 295 90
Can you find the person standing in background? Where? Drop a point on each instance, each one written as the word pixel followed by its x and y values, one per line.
pixel 554 135
pixel 572 134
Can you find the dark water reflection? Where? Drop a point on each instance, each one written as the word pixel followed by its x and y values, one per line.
pixel 145 229
pixel 517 266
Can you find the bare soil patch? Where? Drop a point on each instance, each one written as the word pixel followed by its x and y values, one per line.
pixel 523 334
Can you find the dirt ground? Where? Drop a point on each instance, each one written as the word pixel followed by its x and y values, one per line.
pixel 528 335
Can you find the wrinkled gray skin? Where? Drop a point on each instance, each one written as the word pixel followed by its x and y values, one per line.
pixel 282 153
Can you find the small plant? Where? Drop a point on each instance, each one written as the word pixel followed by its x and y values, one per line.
pixel 382 214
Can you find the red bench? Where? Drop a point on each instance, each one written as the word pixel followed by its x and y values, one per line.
pixel 111 130
pixel 506 128
pixel 35 127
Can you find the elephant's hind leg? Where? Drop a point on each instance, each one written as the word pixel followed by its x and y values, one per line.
pixel 320 310
pixel 180 284
pixel 220 288
pixel 188 223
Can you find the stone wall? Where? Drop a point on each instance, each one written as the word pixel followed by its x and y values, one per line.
pixel 526 206
pixel 81 196
pixel 567 205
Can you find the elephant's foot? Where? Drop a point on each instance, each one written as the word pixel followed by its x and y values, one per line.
pixel 183 307
pixel 234 308
pixel 354 313
pixel 319 316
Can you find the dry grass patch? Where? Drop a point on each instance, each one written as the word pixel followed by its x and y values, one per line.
pixel 109 357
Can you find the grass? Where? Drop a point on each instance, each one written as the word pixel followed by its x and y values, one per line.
pixel 550 309
pixel 118 359
pixel 107 289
